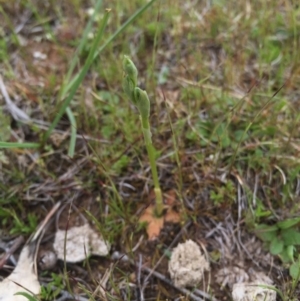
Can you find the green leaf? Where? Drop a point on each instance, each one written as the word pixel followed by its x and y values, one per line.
pixel 287 255
pixel 291 237
pixel 26 295
pixel 108 131
pixel 221 135
pixel 261 211
pixel 240 135
pixel 111 100
pixel 290 252
pixel 121 163
pixel 295 270
pixel 288 223
pixel 266 232
pixel 276 246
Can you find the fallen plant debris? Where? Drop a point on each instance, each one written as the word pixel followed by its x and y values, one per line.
pixel 231 275
pixel 154 224
pixel 5 256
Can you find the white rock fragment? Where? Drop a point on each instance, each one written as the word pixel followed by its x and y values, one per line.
pixel 255 290
pixel 98 245
pixel 80 243
pixel 39 55
pixel 187 264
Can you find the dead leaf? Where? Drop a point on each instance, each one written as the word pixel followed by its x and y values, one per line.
pixel 154 224
pixel 172 216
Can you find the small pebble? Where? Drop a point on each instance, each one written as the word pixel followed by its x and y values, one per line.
pixel 47 260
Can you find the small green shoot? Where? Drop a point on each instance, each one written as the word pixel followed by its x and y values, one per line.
pixel 223 194
pixel 53 288
pixel 18 226
pixel 140 99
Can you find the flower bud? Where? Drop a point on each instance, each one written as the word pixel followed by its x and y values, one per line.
pixel 142 102
pixel 128 87
pixel 130 70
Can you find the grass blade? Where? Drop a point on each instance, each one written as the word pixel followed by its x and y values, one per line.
pixel 80 77
pixel 19 145
pixel 83 40
pixel 72 119
pixel 116 33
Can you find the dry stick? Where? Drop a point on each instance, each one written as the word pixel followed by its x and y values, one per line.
pixel 141 286
pixel 17 113
pixel 41 227
pixel 13 248
pixel 238 223
pixel 102 284
pixel 182 290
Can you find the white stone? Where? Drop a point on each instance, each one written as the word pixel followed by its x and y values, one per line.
pixel 80 243
pixel 187 264
pixel 249 291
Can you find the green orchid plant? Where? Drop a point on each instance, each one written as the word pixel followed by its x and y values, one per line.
pixel 140 99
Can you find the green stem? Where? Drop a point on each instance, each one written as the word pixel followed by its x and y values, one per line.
pixel 72 145
pixel 159 206
pixel 141 100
